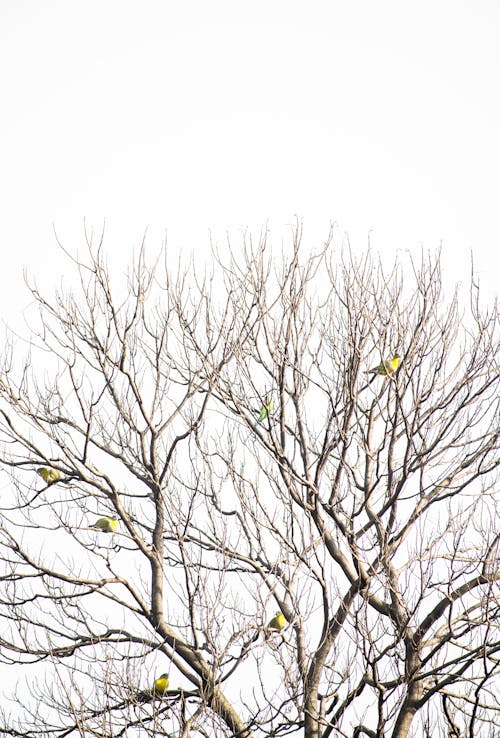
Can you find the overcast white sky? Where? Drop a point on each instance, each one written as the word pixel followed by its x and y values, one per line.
pixel 196 116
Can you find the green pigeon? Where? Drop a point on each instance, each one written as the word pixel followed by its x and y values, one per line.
pixel 387 367
pixel 278 622
pixel 49 475
pixel 266 410
pixel 161 684
pixel 106 525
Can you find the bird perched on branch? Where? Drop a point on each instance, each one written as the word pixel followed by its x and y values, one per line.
pixel 161 684
pixel 266 409
pixel 278 622
pixel 49 475
pixel 386 368
pixel 158 689
pixel 106 525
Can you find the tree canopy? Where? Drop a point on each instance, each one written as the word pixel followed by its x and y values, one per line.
pixel 227 421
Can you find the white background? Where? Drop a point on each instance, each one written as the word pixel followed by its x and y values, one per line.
pixel 191 118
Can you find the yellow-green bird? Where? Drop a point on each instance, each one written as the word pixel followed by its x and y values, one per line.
pixel 106 525
pixel 159 688
pixel 278 622
pixel 49 475
pixel 266 409
pixel 387 367
pixel 161 684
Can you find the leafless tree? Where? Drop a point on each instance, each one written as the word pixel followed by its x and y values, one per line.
pixel 360 506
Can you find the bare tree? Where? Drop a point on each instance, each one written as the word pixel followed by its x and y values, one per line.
pixel 360 506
